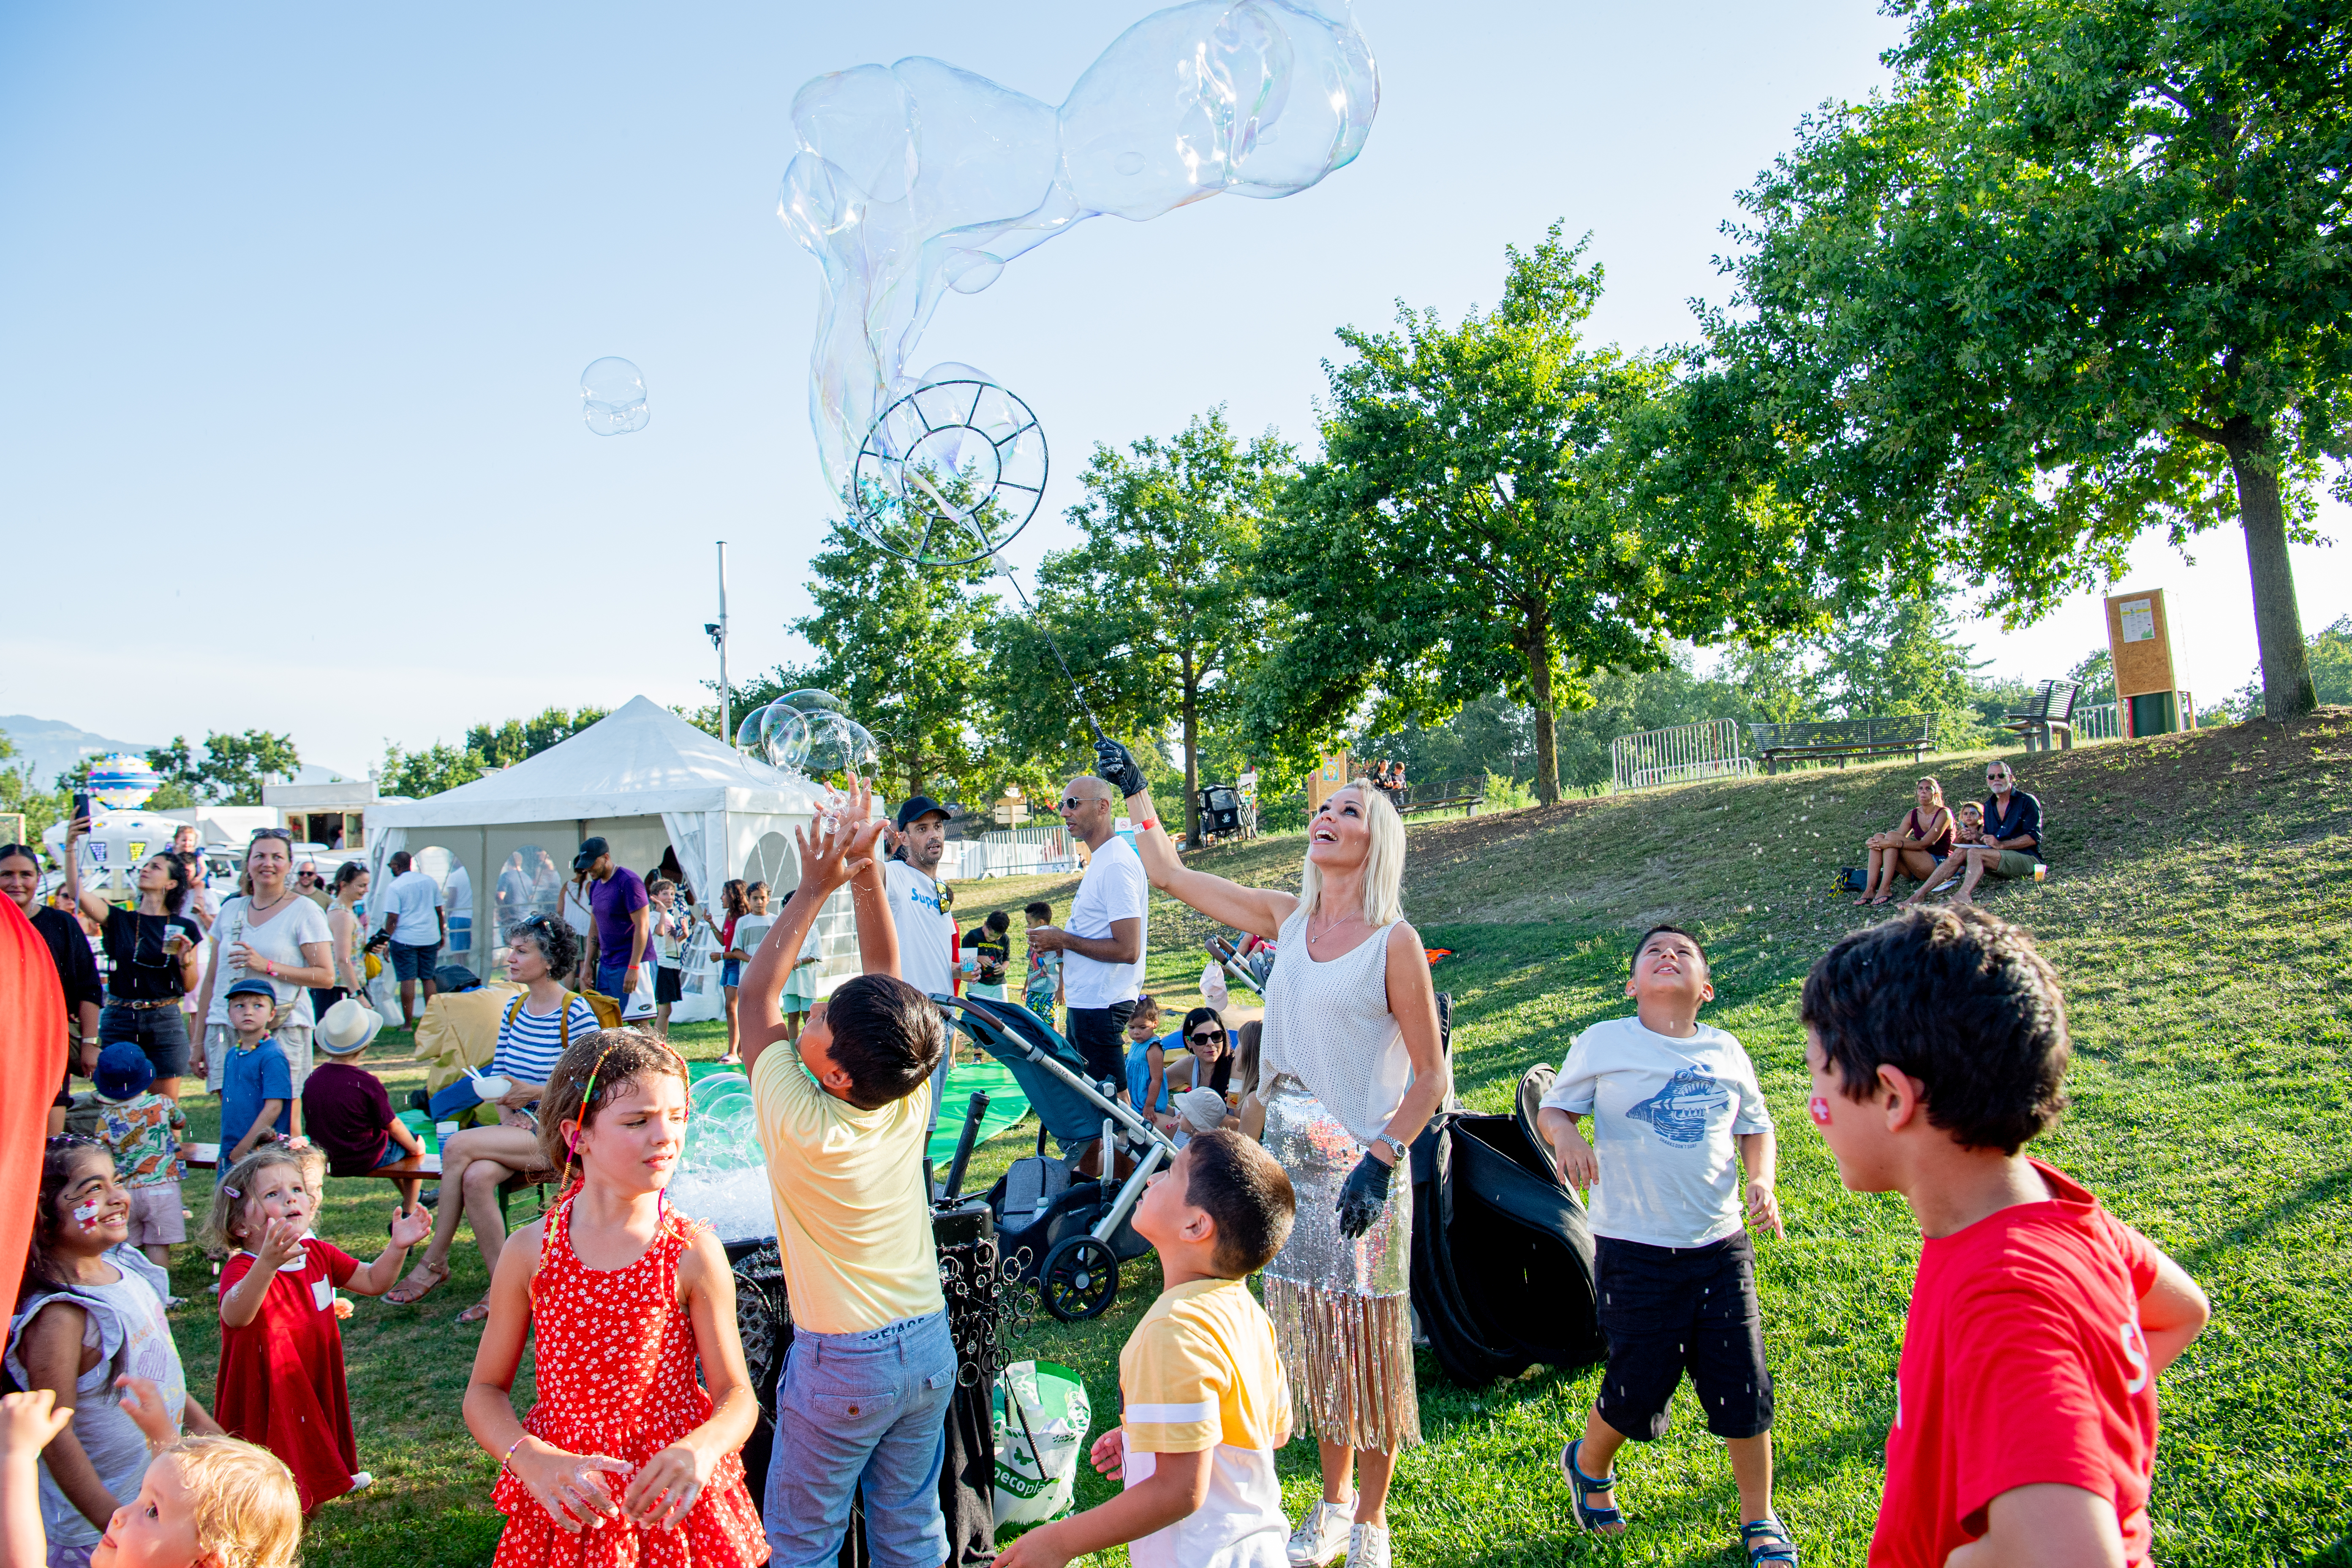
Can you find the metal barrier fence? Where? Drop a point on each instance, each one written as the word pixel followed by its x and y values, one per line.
pixel 2100 722
pixel 1013 852
pixel 1684 753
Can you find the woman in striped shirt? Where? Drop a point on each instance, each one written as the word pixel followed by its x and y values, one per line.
pixel 538 1026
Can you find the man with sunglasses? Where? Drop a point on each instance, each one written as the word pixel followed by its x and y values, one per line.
pixel 1102 947
pixel 2012 836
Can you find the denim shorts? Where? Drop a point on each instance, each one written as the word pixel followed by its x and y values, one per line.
pixel 732 972
pixel 161 1032
pixel 868 1413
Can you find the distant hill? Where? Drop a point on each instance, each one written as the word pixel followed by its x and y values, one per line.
pixel 52 746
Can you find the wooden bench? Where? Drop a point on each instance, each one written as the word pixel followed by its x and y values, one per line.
pixel 206 1157
pixel 1468 803
pixel 2052 713
pixel 1842 739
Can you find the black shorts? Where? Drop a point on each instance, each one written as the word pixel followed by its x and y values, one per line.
pixel 1100 1034
pixel 1669 1310
pixel 669 984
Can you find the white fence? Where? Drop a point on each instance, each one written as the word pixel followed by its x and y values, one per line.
pixel 1682 755
pixel 2100 722
pixel 1010 852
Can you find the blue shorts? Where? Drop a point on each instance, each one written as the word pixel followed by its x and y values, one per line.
pixel 393 1153
pixel 413 962
pixel 731 973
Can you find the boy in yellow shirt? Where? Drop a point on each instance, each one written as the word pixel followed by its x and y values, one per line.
pixel 1206 1400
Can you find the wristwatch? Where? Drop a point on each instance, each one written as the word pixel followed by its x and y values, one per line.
pixel 1396 1143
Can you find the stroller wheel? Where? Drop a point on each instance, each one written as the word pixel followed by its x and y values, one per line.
pixel 1079 1278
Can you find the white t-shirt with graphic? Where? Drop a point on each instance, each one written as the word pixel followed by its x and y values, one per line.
pixel 927 934
pixel 1666 1117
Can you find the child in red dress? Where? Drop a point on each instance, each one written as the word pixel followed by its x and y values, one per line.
pixel 626 1457
pixel 281 1367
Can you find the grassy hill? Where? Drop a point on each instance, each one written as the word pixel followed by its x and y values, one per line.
pixel 2198 908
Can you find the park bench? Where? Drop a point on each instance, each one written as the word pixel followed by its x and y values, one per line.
pixel 1842 739
pixel 206 1157
pixel 2052 713
pixel 1468 803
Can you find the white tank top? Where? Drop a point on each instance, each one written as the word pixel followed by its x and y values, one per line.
pixel 1329 1025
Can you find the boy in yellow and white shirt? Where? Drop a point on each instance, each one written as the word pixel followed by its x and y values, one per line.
pixel 1206 1400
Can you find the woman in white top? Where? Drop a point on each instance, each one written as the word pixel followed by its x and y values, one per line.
pixel 270 933
pixel 1351 1070
pixel 537 1024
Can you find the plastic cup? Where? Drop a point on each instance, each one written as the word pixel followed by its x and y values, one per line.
pixel 442 1132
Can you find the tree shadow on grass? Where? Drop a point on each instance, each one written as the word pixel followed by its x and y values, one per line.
pixel 2329 1189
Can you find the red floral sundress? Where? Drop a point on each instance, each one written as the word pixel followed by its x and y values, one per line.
pixel 616 1375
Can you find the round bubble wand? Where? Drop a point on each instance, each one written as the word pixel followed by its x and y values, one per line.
pixel 991 444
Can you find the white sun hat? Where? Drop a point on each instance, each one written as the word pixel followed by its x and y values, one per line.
pixel 347 1028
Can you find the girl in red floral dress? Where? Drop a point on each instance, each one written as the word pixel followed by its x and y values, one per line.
pixel 626 1459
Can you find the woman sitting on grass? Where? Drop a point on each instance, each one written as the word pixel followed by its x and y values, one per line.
pixel 537 1026
pixel 1916 847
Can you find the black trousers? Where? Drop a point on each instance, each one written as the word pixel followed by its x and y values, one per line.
pixel 1100 1034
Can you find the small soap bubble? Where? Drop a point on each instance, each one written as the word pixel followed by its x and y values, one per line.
pixel 613 395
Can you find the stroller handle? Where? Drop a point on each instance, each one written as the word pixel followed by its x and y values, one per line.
pixel 1134 1126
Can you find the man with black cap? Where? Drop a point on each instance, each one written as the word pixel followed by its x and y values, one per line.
pixel 927 933
pixel 620 930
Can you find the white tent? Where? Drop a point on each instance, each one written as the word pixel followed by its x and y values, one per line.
pixel 644 780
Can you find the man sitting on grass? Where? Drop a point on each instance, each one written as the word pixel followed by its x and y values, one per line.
pixel 842 1112
pixel 1207 1401
pixel 2010 847
pixel 2025 1399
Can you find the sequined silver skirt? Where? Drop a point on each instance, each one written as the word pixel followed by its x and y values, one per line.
pixel 1317 1151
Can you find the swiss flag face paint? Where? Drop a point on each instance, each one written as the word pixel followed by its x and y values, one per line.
pixel 1820 1108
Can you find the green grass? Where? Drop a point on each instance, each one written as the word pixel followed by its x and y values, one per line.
pixel 2198 910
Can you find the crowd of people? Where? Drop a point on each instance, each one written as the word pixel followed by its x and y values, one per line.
pixel 1936 1046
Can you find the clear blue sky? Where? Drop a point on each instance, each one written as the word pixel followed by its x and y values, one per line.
pixel 297 298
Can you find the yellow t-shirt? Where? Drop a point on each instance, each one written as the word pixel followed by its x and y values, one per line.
pixel 1201 1372
pixel 852 1222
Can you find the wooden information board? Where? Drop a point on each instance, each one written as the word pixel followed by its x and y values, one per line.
pixel 1327 777
pixel 2140 643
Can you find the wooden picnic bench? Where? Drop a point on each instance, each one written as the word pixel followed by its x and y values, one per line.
pixel 1468 803
pixel 2052 713
pixel 1842 739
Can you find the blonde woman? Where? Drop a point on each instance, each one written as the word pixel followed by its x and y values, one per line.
pixel 270 932
pixel 1916 847
pixel 1350 1071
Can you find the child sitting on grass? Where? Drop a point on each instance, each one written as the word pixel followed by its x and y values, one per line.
pixel 1675 1110
pixel 2026 1415
pixel 281 1381
pixel 92 1315
pixel 843 1114
pixel 1207 1401
pixel 633 1445
pixel 204 1502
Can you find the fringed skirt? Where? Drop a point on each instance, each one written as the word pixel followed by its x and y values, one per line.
pixel 1341 1312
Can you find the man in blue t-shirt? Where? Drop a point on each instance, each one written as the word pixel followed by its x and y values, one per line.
pixel 2012 834
pixel 622 930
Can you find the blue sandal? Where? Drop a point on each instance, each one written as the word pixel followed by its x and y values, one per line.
pixel 1779 1545
pixel 1588 1517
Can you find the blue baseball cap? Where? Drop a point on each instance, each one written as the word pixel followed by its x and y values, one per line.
pixel 252 987
pixel 123 1071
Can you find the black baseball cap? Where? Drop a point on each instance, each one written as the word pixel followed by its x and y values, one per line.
pixel 917 808
pixel 591 851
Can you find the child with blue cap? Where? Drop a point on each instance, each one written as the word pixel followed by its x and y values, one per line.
pixel 142 1131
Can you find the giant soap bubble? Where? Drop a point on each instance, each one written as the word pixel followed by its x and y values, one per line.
pixel 613 394
pixel 921 177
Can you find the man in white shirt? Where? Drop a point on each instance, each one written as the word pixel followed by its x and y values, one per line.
pixel 1102 946
pixel 412 907
pixel 927 933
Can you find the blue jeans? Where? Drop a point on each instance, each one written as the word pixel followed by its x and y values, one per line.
pixel 862 1412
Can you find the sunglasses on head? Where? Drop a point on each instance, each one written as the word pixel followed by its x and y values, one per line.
pixel 283 835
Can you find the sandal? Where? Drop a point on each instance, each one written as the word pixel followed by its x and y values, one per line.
pixel 477 1312
pixel 420 1283
pixel 1588 1517
pixel 1775 1547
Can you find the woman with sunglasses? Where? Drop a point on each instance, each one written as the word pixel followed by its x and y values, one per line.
pixel 151 952
pixel 268 933
pixel 1351 1072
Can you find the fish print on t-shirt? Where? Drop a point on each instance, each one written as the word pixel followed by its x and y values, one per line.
pixel 1678 1112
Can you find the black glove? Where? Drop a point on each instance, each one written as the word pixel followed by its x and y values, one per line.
pixel 1116 766
pixel 1363 1197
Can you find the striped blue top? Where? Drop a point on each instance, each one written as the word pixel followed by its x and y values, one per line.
pixel 530 1045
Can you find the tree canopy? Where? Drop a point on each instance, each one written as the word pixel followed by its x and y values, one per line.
pixel 232 768
pixel 2083 270
pixel 1500 506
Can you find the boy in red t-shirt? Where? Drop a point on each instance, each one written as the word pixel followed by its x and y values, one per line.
pixel 2025 1400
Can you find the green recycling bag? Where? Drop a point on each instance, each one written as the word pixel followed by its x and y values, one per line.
pixel 1041 1414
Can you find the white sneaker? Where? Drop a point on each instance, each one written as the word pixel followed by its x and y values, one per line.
pixel 1368 1546
pixel 362 1480
pixel 1322 1535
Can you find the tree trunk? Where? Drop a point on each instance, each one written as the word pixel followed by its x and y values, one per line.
pixel 1536 643
pixel 2287 690
pixel 1192 754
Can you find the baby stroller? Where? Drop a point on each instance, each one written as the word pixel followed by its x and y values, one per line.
pixel 1062 1221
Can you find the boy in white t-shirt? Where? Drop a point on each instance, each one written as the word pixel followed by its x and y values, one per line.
pixel 1675 1110
pixel 1206 1403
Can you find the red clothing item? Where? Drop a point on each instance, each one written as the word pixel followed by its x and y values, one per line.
pixel 616 1375
pixel 2023 1364
pixel 281 1375
pixel 32 1064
